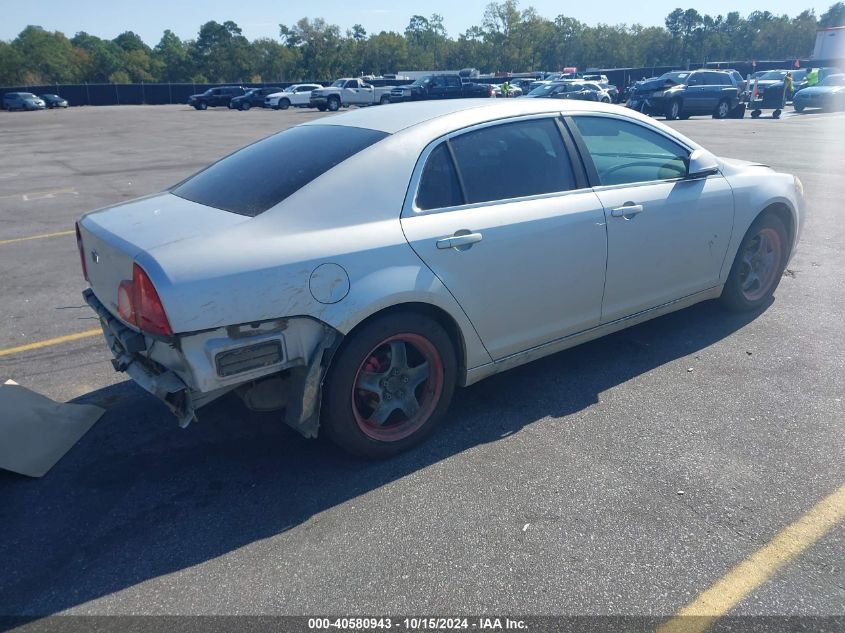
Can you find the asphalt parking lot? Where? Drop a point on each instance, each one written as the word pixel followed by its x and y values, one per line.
pixel 622 477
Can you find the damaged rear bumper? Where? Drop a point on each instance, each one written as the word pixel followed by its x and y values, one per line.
pixel 126 346
pixel 278 364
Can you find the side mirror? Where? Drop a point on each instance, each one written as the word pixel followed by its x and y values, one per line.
pixel 701 163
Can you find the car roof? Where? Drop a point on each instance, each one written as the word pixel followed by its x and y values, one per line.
pixel 396 117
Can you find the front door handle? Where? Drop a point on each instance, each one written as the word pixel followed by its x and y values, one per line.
pixel 460 240
pixel 627 210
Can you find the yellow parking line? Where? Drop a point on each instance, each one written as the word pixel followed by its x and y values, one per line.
pixel 50 342
pixel 726 593
pixel 36 237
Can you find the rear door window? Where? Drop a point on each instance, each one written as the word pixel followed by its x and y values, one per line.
pixel 261 175
pixel 513 160
pixel 439 186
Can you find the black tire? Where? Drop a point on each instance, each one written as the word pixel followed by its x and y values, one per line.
pixel 284 104
pixel 755 114
pixel 738 112
pixel 202 105
pixel 723 109
pixel 385 99
pixel 321 108
pixel 370 350
pixel 333 104
pixel 674 110
pixel 246 105
pixel 744 290
pixel 798 108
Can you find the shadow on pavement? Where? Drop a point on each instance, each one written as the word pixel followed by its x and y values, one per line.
pixel 138 498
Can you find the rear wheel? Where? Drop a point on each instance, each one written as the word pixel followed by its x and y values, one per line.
pixel 722 110
pixel 758 265
pixel 385 99
pixel 284 104
pixel 389 385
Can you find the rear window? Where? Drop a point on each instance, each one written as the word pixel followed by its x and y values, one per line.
pixel 261 175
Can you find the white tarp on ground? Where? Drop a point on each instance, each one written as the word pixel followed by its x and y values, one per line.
pixel 35 432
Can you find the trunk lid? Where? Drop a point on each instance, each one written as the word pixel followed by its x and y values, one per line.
pixel 112 238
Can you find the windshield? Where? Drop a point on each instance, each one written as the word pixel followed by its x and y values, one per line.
pixel 28 95
pixel 421 81
pixel 543 90
pixel 675 77
pixel 261 175
pixel 834 80
pixel 338 84
pixel 773 75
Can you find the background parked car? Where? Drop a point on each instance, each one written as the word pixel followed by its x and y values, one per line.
pixel 442 86
pixel 253 97
pixel 54 101
pixel 22 101
pixel 681 94
pixel 215 97
pixel 584 91
pixel 828 95
pixel 297 95
pixel 346 92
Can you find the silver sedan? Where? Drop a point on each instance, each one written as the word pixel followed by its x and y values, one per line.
pixel 351 271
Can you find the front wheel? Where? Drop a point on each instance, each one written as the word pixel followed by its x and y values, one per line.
pixel 758 265
pixel 202 105
pixel 674 110
pixel 334 105
pixel 798 107
pixel 246 105
pixel 284 104
pixel 389 385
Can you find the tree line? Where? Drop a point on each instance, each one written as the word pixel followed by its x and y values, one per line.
pixel 508 39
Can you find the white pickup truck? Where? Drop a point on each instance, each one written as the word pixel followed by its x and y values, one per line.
pixel 346 92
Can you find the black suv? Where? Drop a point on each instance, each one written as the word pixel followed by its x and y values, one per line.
pixel 440 87
pixel 681 94
pixel 253 97
pixel 214 97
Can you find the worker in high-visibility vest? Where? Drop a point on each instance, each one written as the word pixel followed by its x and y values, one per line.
pixel 813 77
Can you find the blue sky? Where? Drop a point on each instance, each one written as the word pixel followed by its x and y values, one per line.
pixel 260 18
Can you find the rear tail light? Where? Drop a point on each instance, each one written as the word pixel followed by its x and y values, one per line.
pixel 81 253
pixel 138 303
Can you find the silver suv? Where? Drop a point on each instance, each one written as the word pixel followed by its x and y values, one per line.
pixel 22 101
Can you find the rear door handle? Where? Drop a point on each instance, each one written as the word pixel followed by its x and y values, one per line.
pixel 459 240
pixel 626 211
